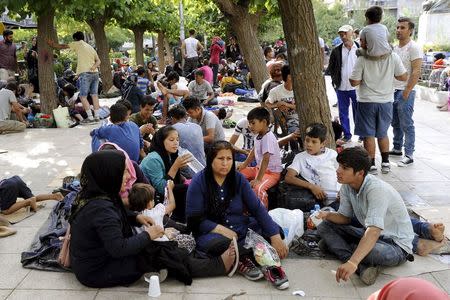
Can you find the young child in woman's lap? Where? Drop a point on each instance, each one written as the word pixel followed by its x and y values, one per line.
pixel 141 198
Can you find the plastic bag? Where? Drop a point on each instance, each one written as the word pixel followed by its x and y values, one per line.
pixel 291 221
pixel 62 117
pixel 264 253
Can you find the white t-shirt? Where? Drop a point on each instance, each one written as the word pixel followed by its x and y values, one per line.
pixel 321 42
pixel 376 37
pixel 85 56
pixel 157 214
pixel 191 47
pixel 318 169
pixel 348 63
pixel 407 53
pixel 6 98
pixel 242 128
pixel 377 78
pixel 280 93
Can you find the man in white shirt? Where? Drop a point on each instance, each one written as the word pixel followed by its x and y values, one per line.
pixel 375 79
pixel 402 122
pixel 8 103
pixel 87 71
pixel 190 49
pixel 340 67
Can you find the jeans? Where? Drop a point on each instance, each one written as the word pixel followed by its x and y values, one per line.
pixel 344 98
pixel 88 84
pixel 342 240
pixel 215 69
pixel 421 230
pixel 402 122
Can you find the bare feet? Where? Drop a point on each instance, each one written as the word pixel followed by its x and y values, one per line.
pixel 437 231
pixel 57 196
pixel 33 205
pixel 229 258
pixel 425 247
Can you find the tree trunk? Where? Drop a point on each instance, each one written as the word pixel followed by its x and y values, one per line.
pixel 47 87
pixel 169 55
pixel 245 25
pixel 161 63
pixel 98 28
pixel 304 55
pixel 138 45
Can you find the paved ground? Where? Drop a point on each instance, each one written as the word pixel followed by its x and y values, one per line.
pixel 43 156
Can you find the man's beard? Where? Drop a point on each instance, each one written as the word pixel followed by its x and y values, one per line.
pixel 8 42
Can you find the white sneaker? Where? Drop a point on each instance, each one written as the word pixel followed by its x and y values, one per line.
pixel 373 170
pixel 406 161
pixel 385 167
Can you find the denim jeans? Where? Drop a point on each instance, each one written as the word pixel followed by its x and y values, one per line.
pixel 344 98
pixel 342 240
pixel 88 83
pixel 402 122
pixel 421 230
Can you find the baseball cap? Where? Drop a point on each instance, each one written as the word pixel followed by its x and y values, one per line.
pixel 345 28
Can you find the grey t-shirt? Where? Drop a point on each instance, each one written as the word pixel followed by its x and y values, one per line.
pixel 200 91
pixel 377 78
pixel 378 204
pixel 377 39
pixel 210 120
pixel 6 98
pixel 191 138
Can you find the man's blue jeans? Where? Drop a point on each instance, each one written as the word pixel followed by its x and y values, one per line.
pixel 344 98
pixel 342 241
pixel 402 122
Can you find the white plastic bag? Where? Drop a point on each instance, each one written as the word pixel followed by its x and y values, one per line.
pixel 264 253
pixel 62 117
pixel 291 221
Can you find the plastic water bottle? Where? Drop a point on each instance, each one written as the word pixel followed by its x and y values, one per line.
pixel 194 164
pixel 316 207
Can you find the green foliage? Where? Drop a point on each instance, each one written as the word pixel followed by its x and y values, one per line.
pixel 329 19
pixel 270 29
pixel 389 20
pixel 117 36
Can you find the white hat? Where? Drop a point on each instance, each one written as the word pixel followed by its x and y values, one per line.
pixel 345 28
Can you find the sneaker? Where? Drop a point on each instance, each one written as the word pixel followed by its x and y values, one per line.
pixel 249 270
pixel 373 170
pixel 396 152
pixel 406 161
pixel 87 121
pixel 276 276
pixel 96 119
pixel 369 275
pixel 385 167
pixel 444 108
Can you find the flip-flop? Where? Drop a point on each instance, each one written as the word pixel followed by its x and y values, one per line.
pixel 236 263
pixel 6 231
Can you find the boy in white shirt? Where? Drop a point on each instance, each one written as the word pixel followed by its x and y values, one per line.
pixel 311 178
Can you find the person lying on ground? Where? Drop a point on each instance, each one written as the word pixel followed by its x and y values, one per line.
pixel 13 188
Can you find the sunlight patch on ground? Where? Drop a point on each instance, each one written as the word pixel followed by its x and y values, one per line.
pixel 21 160
pixel 41 148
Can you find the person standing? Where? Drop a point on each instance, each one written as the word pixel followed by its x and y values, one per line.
pixel 217 47
pixel 8 58
pixel 190 49
pixel 340 67
pixel 375 79
pixel 403 108
pixel 32 63
pixel 87 71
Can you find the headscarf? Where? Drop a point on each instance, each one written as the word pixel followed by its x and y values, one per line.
pixel 157 145
pixel 409 289
pixel 132 179
pixel 101 178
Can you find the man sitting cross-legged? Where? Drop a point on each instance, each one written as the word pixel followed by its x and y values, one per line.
pixel 387 236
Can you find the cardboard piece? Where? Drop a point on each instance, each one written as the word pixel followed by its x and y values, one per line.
pixel 21 214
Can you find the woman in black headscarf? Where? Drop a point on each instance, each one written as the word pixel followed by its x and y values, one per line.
pixel 103 250
pixel 163 163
